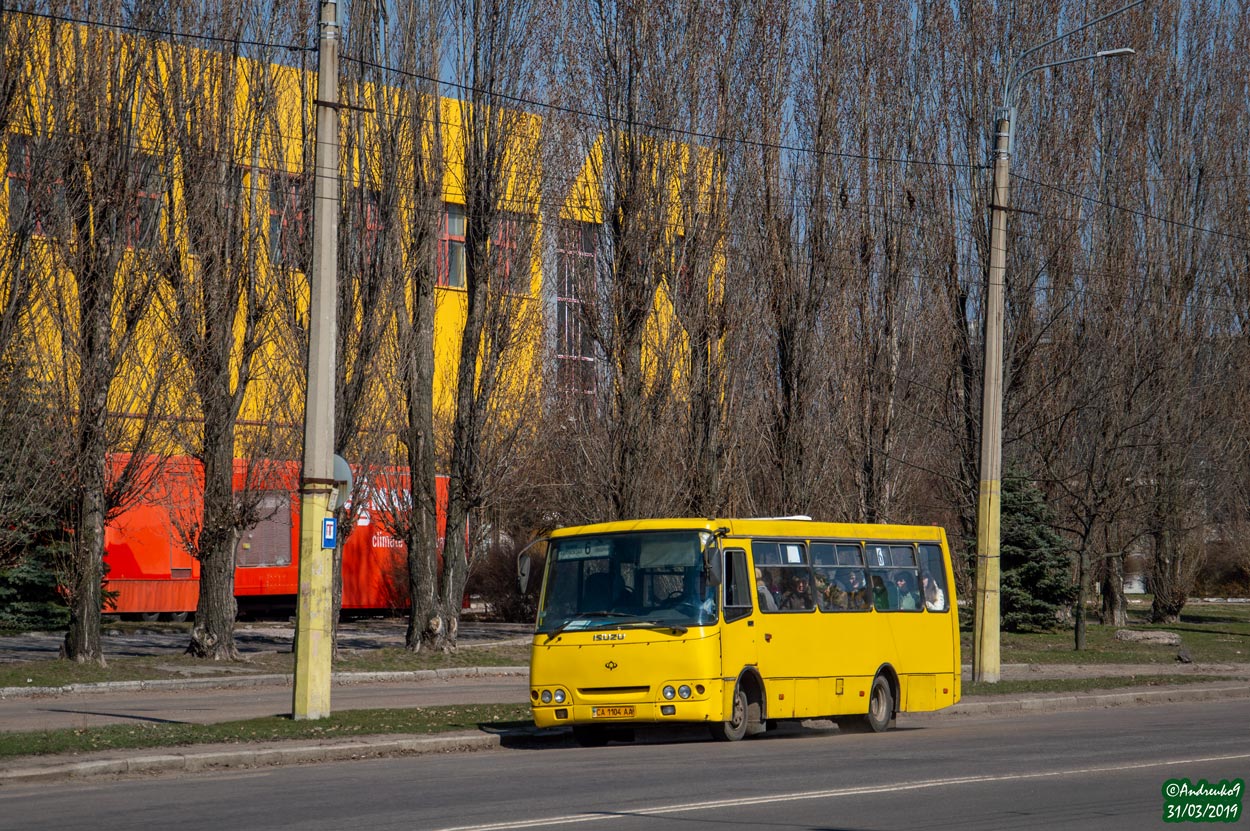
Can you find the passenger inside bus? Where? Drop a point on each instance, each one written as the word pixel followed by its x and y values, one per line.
pixel 829 595
pixel 934 597
pixel 880 595
pixel 768 603
pixel 795 595
pixel 908 597
pixel 856 590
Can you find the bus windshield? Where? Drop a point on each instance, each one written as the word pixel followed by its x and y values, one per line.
pixel 654 579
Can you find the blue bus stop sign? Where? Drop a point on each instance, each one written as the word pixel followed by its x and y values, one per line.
pixel 329 532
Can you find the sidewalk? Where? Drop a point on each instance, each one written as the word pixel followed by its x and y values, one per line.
pixel 202 757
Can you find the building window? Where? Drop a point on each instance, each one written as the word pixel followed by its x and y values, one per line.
pixel 365 218
pixel 513 240
pixel 575 285
pixel 218 225
pixel 288 221
pixel 143 219
pixel 451 248
pixel 36 199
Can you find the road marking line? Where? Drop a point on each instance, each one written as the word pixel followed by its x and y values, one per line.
pixel 602 816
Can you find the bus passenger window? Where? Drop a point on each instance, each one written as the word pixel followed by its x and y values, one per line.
pixel 933 579
pixel 838 577
pixel 784 576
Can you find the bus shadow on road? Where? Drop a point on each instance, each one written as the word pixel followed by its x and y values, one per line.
pixel 525 736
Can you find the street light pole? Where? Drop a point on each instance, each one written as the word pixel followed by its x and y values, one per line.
pixel 986 663
pixel 313 628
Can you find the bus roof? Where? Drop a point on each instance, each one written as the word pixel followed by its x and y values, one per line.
pixel 763 527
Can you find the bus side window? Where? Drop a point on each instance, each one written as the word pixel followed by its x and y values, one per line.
pixel 933 578
pixel 738 585
pixel 884 598
pixel 784 576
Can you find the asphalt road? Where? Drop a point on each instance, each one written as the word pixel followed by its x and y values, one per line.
pixel 1096 769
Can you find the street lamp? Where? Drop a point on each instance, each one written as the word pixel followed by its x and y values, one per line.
pixel 985 651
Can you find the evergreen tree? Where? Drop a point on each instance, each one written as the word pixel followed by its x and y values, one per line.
pixel 29 599
pixel 1037 582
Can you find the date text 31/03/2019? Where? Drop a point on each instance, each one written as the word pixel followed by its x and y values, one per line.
pixel 1184 801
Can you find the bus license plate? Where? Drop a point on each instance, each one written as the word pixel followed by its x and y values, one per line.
pixel 612 712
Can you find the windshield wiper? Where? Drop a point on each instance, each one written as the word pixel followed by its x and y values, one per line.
pixel 676 628
pixel 584 616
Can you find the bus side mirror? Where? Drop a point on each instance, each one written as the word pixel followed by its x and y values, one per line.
pixel 713 565
pixel 523 566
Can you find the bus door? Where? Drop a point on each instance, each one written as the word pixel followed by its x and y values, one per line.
pixel 738 634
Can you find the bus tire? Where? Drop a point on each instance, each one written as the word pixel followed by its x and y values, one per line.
pixel 880 706
pixel 588 735
pixel 736 728
pixel 880 711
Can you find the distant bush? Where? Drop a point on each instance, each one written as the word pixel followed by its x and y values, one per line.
pixel 494 580
pixel 1226 572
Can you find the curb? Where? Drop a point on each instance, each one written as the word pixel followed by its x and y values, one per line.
pixel 1060 703
pixel 250 757
pixel 339 678
pixel 296 753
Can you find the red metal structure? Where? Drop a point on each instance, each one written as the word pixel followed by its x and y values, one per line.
pixel 154 575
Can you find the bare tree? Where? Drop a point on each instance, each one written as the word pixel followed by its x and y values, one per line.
pixel 494 55
pixel 216 104
pixel 31 467
pixel 91 121
pixel 410 135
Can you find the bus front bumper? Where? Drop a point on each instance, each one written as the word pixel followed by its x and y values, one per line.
pixel 704 709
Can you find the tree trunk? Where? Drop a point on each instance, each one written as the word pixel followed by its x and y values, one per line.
pixel 1114 606
pixel 1078 613
pixel 421 526
pixel 82 639
pixel 1167 582
pixel 215 612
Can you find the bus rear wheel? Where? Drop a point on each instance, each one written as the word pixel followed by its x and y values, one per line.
pixel 880 711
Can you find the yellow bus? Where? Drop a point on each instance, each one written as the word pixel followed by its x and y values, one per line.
pixel 741 623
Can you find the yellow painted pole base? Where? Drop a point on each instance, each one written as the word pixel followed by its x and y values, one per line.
pixel 313 631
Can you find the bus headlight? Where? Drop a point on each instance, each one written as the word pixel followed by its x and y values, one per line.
pixel 559 696
pixel 684 691
pixel 546 696
pixel 668 692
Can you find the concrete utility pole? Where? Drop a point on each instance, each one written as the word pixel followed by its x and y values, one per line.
pixel 986 665
pixel 985 651
pixel 313 627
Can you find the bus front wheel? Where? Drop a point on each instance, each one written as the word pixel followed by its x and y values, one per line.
pixel 736 728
